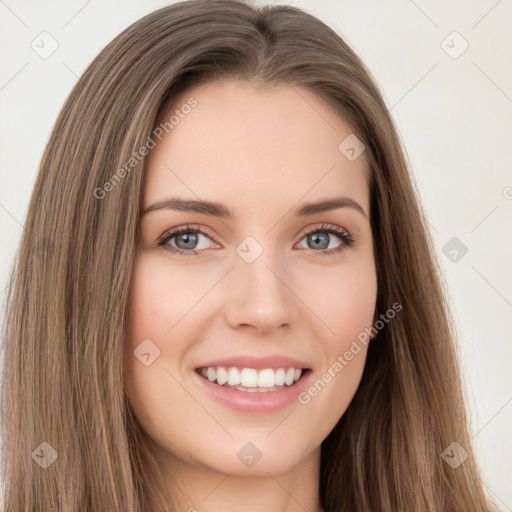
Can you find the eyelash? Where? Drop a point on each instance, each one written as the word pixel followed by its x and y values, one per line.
pixel 342 233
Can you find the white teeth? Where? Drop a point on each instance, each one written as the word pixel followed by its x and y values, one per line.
pixel 289 377
pixel 222 375
pixel 266 378
pixel 252 380
pixel 249 378
pixel 233 376
pixel 280 377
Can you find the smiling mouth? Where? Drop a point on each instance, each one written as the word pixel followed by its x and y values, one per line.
pixel 251 380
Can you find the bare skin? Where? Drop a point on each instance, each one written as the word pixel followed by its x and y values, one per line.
pixel 262 153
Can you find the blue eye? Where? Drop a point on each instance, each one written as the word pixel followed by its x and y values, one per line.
pixel 187 240
pixel 319 237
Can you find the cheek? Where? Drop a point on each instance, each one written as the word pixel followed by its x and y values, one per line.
pixel 149 315
pixel 346 306
pixel 344 299
pixel 159 297
pixel 155 305
pixel 349 314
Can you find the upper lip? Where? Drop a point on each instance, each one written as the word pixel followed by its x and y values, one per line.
pixel 277 361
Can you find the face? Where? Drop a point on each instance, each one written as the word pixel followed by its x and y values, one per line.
pixel 258 297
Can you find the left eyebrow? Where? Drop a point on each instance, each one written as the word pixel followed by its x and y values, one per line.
pixel 327 205
pixel 221 210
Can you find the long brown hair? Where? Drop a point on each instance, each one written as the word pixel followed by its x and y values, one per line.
pixel 62 389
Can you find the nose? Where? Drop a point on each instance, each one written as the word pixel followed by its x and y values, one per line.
pixel 261 295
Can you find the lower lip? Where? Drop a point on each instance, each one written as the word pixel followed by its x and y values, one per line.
pixel 254 402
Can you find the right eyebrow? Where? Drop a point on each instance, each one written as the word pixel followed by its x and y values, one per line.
pixel 191 205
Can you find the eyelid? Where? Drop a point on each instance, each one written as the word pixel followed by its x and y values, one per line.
pixel 170 233
pixel 326 226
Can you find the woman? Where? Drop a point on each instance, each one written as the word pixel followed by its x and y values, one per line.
pixel 226 295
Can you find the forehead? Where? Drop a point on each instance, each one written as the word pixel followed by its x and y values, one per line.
pixel 245 145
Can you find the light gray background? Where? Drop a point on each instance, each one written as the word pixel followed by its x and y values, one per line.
pixel 454 115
